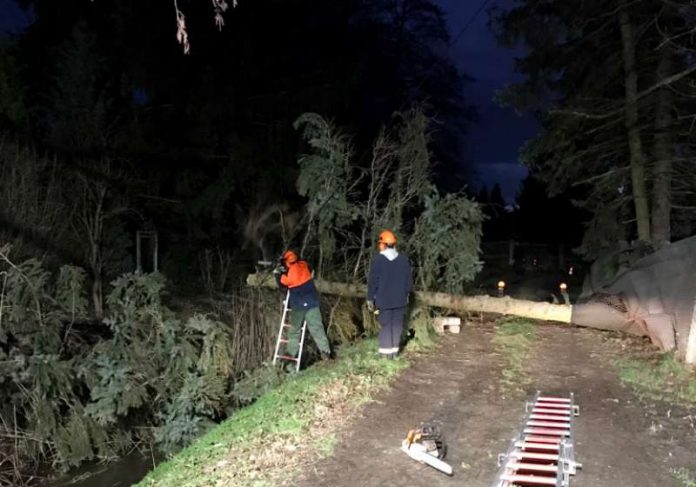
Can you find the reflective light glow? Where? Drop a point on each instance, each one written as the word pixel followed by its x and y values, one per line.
pixel 501 284
pixel 563 286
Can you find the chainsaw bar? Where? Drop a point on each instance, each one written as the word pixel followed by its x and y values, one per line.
pixel 426 445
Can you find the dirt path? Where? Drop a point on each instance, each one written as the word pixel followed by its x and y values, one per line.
pixel 620 442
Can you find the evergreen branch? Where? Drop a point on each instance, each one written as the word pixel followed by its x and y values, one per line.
pixel 4 255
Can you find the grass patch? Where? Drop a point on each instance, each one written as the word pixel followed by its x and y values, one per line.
pixel 284 428
pixel 685 478
pixel 660 377
pixel 513 340
pixel 325 446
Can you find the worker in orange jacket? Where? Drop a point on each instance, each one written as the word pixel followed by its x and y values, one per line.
pixel 295 276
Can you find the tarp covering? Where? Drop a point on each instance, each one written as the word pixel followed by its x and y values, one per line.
pixel 655 296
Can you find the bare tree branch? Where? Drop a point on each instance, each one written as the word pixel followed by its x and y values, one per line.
pixel 602 116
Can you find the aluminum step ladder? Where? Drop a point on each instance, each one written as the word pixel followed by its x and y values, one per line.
pixel 543 452
pixel 282 339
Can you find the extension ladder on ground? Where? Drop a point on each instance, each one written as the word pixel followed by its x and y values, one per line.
pixel 282 339
pixel 543 453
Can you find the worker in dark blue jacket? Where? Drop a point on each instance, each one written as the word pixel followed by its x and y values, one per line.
pixel 389 285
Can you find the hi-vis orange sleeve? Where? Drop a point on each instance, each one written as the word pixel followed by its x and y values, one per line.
pixel 298 274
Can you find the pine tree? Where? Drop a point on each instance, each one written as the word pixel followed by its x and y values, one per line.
pixel 603 115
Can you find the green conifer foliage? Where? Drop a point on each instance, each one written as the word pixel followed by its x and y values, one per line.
pixel 78 396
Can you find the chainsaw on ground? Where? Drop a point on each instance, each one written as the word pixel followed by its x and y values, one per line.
pixel 426 445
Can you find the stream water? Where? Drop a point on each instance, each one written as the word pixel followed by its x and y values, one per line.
pixel 122 473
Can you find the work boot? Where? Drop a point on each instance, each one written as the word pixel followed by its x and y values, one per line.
pixel 326 356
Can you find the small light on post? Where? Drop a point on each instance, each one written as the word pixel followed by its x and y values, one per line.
pixel 564 292
pixel 501 289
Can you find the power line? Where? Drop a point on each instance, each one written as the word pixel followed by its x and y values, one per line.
pixel 471 20
pixel 454 41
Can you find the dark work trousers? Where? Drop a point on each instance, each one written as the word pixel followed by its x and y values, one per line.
pixel 391 323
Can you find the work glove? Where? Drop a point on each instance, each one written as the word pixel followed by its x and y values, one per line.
pixel 370 306
pixel 280 270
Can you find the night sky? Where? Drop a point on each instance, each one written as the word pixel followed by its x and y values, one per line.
pixel 493 143
pixel 12 18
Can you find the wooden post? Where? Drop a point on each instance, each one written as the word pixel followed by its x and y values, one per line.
pixel 138 254
pixel 155 253
pixel 149 238
pixel 691 344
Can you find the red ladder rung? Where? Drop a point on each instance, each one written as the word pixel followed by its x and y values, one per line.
pixel 542 439
pixel 552 405
pixel 553 399
pixel 549 417
pixel 550 457
pixel 556 415
pixel 538 467
pixel 537 446
pixel 549 424
pixel 567 403
pixel 287 357
pixel 529 479
pixel 546 432
pixel 559 412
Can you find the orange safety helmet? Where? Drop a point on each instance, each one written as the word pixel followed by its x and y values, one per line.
pixel 290 257
pixel 386 239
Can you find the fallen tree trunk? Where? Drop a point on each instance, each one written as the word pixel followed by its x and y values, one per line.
pixel 483 304
pixel 593 315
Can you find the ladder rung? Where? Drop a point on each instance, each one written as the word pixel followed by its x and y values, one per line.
pixel 529 479
pixel 538 467
pixel 546 432
pixel 534 456
pixel 549 401
pixel 549 424
pixel 287 357
pixel 542 439
pixel 554 412
pixel 283 340
pixel 536 446
pixel 549 417
pixel 553 399
pixel 286 326
pixel 552 405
